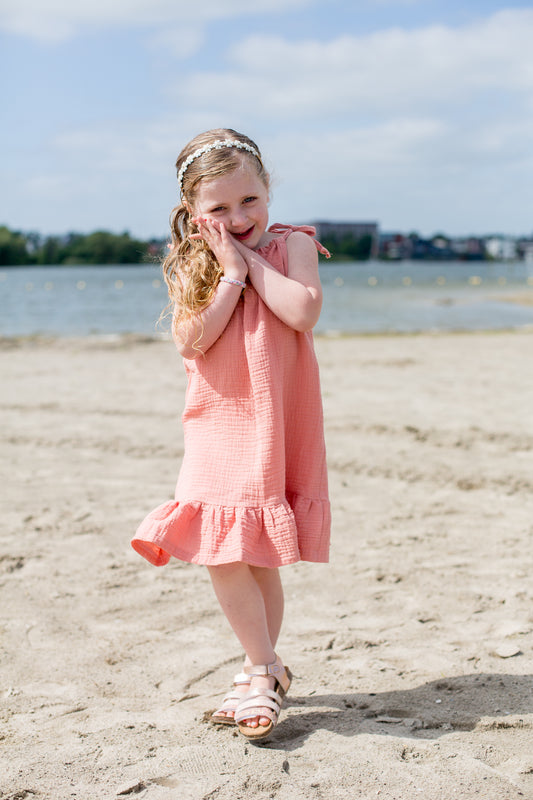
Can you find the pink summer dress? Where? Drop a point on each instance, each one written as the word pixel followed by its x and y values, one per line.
pixel 253 483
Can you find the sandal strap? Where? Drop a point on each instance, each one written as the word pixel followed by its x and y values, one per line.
pixel 241 679
pixel 271 701
pixel 278 671
pixel 231 700
pixel 264 670
pixel 268 693
pixel 232 696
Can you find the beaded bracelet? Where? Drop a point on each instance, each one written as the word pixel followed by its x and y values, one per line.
pixel 233 281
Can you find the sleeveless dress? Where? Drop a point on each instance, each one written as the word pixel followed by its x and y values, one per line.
pixel 253 483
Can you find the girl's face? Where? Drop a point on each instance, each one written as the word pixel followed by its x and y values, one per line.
pixel 239 200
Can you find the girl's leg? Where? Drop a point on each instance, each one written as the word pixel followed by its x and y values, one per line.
pixel 269 582
pixel 252 600
pixel 242 601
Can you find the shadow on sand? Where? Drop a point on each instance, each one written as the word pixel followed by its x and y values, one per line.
pixel 428 711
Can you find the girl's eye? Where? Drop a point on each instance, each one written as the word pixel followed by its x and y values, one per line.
pixel 216 210
pixel 249 199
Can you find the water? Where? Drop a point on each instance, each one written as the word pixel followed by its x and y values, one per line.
pixel 412 296
pixel 78 301
pixel 369 297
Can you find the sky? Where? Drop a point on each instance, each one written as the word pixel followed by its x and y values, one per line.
pixel 416 114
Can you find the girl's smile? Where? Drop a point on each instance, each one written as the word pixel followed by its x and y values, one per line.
pixel 245 234
pixel 239 200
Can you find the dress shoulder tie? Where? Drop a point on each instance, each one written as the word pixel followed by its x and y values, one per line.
pixel 309 229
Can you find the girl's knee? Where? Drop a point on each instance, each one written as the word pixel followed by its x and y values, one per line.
pixel 265 574
pixel 261 570
pixel 228 570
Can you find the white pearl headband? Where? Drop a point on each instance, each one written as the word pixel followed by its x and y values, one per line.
pixel 218 145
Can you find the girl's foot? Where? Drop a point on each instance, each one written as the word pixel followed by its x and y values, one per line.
pixel 225 715
pixel 258 713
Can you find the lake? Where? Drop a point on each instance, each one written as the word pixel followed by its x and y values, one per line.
pixel 367 297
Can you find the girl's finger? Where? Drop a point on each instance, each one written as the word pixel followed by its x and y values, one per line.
pixel 224 235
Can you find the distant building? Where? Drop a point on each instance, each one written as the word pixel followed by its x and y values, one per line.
pixel 398 246
pixel 395 246
pixel 355 229
pixel 525 248
pixel 501 248
pixel 471 248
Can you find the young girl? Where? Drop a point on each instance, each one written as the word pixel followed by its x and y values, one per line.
pixel 252 490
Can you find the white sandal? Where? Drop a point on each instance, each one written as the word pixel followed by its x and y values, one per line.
pixel 231 701
pixel 270 700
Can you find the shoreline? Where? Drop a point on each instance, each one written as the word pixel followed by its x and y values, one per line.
pixel 128 338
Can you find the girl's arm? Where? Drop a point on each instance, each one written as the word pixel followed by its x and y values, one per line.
pixel 297 298
pixel 195 337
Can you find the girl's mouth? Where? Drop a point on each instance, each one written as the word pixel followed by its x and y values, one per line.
pixel 245 234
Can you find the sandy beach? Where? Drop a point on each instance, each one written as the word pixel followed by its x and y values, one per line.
pixel 411 650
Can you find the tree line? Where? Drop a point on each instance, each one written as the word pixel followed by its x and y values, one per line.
pixel 103 247
pixel 348 246
pixel 99 247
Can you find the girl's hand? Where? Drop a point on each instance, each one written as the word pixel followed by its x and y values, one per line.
pixel 245 251
pixel 223 246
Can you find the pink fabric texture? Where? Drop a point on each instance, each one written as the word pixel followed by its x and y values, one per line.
pixel 253 483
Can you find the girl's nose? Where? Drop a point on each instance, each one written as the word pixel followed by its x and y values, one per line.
pixel 238 217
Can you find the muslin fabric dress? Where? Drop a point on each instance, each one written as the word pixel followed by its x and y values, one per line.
pixel 253 483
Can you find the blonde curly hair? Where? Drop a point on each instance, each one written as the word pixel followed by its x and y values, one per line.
pixel 190 270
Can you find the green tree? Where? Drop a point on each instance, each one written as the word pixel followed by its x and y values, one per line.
pixel 99 247
pixel 51 251
pixel 348 246
pixel 102 247
pixel 13 249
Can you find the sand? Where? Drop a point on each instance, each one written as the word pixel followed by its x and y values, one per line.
pixel 412 649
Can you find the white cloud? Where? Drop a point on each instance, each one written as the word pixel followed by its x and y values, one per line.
pixel 405 174
pixel 58 20
pixel 388 71
pixel 430 115
pixel 392 148
pixel 183 41
pixel 343 174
